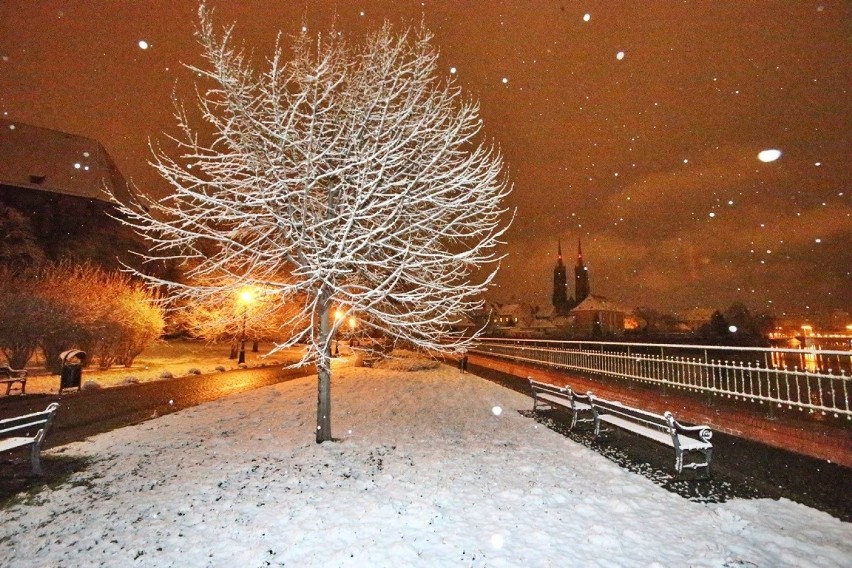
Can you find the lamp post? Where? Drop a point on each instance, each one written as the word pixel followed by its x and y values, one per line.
pixel 245 298
pixel 338 315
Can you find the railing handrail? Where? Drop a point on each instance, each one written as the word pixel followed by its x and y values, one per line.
pixel 791 350
pixel 763 381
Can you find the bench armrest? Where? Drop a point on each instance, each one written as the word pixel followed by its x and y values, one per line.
pixel 13 373
pixel 702 430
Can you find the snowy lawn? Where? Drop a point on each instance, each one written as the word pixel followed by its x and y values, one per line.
pixel 432 468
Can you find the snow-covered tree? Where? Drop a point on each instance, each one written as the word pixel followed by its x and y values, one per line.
pixel 342 176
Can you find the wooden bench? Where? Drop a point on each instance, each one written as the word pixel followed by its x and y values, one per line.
pixel 27 431
pixel 662 428
pixel 564 397
pixel 11 376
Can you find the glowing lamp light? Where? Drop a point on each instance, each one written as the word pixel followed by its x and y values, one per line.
pixel 353 323
pixel 769 155
pixel 246 296
pixel 338 314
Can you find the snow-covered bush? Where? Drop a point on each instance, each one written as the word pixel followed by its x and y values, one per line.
pixel 66 305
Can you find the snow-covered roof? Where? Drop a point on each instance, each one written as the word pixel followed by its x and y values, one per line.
pixel 598 304
pixel 546 312
pixel 514 310
pixel 41 159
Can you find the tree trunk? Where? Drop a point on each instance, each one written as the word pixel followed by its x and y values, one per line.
pixel 324 374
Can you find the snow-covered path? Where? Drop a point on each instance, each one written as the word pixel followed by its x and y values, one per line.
pixel 433 468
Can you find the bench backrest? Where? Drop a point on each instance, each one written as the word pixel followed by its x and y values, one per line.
pixel 657 421
pixel 30 424
pixel 548 388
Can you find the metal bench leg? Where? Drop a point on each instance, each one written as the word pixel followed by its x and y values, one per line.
pixel 36 460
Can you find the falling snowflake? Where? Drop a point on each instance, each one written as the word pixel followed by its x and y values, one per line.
pixel 453 70
pixel 587 17
pixel 497 411
pixel 143 44
pixel 769 155
pixel 619 55
pixel 505 80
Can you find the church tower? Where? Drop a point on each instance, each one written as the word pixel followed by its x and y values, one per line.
pixel 560 285
pixel 581 276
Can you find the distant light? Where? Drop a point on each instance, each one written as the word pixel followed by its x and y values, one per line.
pixel 769 155
pixel 619 55
pixel 453 70
pixel 587 17
pixel 143 44
pixel 732 328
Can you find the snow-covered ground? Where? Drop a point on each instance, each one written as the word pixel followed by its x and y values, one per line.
pixel 432 468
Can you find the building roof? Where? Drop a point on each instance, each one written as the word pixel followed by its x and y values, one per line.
pixel 41 159
pixel 598 304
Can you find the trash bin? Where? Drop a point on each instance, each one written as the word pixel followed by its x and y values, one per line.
pixel 71 374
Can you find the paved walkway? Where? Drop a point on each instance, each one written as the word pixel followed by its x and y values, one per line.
pixel 86 413
pixel 825 438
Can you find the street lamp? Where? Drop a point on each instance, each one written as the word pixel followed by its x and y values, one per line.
pixel 338 316
pixel 245 299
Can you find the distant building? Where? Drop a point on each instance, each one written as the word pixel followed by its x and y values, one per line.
pixel 514 315
pixel 596 317
pixel 560 285
pixel 561 302
pixel 54 198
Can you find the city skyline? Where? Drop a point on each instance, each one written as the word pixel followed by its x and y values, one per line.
pixel 638 128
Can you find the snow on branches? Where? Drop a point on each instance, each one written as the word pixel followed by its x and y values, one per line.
pixel 346 176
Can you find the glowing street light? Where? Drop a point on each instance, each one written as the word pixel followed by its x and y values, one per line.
pixel 245 298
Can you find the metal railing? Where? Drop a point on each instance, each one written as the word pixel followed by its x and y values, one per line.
pixel 749 373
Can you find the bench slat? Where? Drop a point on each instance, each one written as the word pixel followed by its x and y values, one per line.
pixel 13 443
pixel 560 400
pixel 652 433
